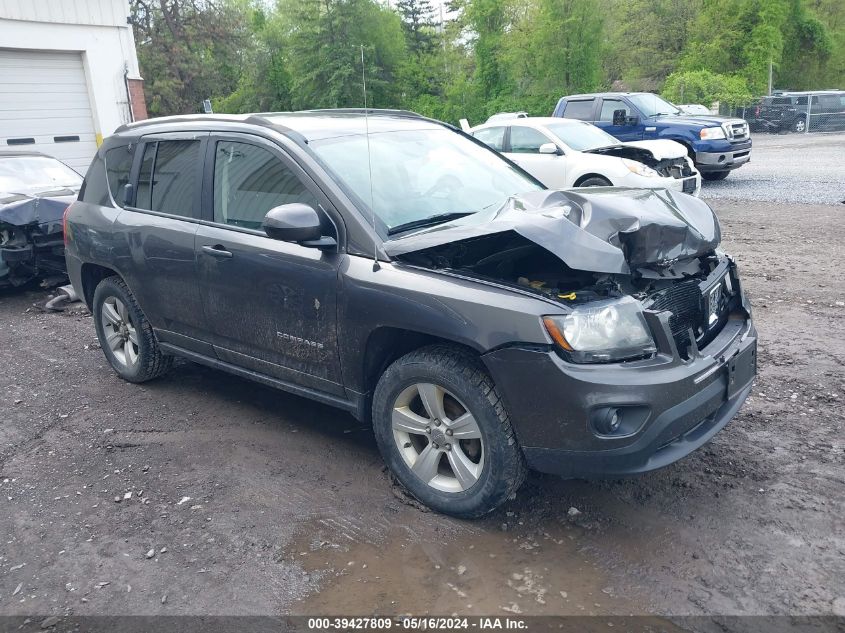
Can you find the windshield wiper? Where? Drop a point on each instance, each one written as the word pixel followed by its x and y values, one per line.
pixel 429 221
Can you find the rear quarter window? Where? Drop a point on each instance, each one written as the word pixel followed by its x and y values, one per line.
pixel 118 166
pixel 95 189
pixel 581 109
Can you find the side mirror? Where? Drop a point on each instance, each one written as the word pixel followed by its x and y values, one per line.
pixel 295 222
pixel 620 117
pixel 550 148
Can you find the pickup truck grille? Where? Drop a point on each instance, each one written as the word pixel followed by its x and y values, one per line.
pixel 736 130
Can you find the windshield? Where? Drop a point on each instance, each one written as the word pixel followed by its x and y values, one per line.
pixel 582 137
pixel 27 174
pixel 652 105
pixel 420 174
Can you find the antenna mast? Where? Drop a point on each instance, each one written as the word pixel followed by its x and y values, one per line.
pixel 369 159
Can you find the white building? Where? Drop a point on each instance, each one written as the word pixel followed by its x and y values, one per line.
pixel 68 76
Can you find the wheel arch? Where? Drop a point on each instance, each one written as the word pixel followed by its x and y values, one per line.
pixel 91 275
pixel 587 176
pixel 387 344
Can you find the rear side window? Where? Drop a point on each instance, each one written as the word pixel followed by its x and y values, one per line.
pixel 95 186
pixel 526 140
pixel 168 181
pixel 608 106
pixel 492 136
pixel 581 110
pixel 249 181
pixel 118 166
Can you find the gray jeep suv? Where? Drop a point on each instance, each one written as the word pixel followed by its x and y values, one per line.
pixel 398 269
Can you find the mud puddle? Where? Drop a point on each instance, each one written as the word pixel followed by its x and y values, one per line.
pixel 488 572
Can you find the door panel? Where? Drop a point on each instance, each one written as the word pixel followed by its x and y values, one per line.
pixel 523 148
pixel 160 231
pixel 270 305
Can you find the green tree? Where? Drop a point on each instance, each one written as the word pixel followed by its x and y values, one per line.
pixel 554 47
pixel 702 86
pixel 646 38
pixel 323 53
pixel 189 51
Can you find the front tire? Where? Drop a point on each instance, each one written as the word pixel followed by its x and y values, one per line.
pixel 799 126
pixel 712 176
pixel 595 181
pixel 125 335
pixel 443 431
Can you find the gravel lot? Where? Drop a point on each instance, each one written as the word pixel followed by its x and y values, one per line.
pixel 201 493
pixel 803 168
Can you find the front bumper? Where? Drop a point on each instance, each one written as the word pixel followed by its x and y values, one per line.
pixel 669 406
pixel 735 155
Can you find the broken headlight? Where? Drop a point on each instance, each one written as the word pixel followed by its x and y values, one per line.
pixel 602 331
pixel 639 169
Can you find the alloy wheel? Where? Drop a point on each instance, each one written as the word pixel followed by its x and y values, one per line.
pixel 438 437
pixel 119 331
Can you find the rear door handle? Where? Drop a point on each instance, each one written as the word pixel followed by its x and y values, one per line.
pixel 218 250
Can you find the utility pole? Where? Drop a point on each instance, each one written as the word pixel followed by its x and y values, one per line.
pixel 770 75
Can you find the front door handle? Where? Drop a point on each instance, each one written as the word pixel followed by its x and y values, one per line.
pixel 218 250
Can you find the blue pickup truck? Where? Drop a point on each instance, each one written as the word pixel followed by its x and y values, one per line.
pixel 716 144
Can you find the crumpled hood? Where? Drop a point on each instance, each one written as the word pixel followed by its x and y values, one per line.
pixel 605 230
pixel 22 209
pixel 661 149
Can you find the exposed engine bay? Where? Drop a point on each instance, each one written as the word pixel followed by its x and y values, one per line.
pixel 667 255
pixel 673 163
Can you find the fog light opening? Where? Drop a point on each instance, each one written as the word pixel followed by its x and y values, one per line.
pixel 609 422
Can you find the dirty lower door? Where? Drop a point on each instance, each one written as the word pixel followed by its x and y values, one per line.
pixel 270 305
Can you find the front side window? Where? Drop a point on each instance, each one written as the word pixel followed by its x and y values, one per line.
pixel 492 136
pixel 581 110
pixel 168 180
pixel 526 140
pixel 609 106
pixel 118 166
pixel 421 174
pixel 249 181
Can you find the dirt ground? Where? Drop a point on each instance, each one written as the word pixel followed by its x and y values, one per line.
pixel 202 493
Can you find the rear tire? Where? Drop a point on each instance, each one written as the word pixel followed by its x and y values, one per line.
pixel 595 181
pixel 125 335
pixel 713 176
pixel 443 431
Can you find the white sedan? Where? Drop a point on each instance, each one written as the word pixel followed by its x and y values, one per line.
pixel 564 153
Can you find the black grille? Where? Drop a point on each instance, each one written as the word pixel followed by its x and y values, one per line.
pixel 685 302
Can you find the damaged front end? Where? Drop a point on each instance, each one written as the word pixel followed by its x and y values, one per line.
pixel 667 158
pixel 31 237
pixel 606 255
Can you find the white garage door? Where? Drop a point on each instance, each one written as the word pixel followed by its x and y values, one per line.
pixel 44 106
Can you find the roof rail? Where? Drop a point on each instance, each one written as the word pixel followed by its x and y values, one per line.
pixel 369 111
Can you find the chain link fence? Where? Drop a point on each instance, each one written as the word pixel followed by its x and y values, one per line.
pixel 797 112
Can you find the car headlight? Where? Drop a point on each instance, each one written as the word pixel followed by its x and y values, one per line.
pixel 640 169
pixel 711 133
pixel 602 331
